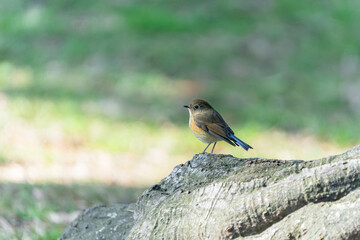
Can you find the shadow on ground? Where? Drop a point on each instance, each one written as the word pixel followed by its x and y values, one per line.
pixel 41 211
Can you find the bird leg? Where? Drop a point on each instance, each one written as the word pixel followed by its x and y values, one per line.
pixel 206 148
pixel 213 147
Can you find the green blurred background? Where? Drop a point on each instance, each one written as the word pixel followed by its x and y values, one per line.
pixel 91 94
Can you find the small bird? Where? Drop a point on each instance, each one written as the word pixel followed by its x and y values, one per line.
pixel 209 127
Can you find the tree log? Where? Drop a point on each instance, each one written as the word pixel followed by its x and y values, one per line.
pixel 223 197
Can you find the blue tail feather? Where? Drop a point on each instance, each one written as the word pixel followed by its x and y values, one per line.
pixel 238 142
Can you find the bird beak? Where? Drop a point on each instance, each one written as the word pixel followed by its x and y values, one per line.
pixel 186 106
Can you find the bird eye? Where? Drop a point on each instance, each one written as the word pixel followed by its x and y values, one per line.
pixel 196 107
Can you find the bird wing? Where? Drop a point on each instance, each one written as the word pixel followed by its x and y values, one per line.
pixel 215 125
pixel 217 118
pixel 219 132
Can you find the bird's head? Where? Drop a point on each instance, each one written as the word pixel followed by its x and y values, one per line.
pixel 199 107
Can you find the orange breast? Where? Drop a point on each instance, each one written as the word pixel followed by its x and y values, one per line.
pixel 201 134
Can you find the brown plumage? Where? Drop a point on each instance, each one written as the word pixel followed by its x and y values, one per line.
pixel 209 127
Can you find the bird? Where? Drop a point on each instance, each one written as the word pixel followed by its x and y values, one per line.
pixel 209 127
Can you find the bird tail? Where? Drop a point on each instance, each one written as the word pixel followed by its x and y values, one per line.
pixel 238 142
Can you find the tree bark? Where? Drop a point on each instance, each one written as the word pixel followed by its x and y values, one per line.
pixel 223 197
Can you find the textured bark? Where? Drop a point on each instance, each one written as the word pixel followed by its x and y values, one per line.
pixel 101 223
pixel 223 197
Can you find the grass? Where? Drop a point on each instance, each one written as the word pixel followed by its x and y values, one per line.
pixel 280 53
pixel 41 211
pixel 92 92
